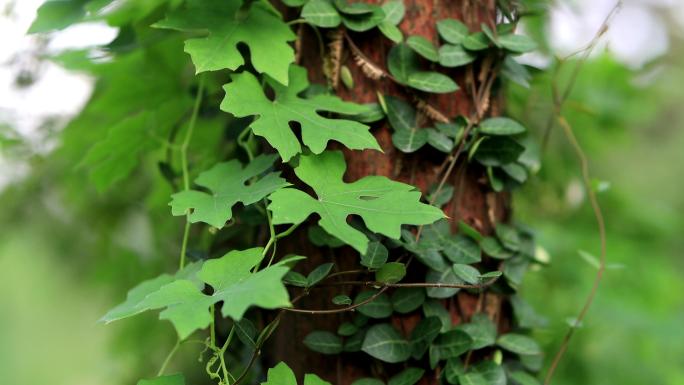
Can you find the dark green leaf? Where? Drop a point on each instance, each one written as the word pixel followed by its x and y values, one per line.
pixel 364 22
pixel 407 299
pixel 380 307
pixel 354 8
pixel 517 43
pixel 452 370
pixel 354 343
pixel 408 376
pixel 469 231
pixel 501 126
pixel 294 278
pixel 422 336
pixel 516 171
pixel 514 270
pixel 319 273
pixel 522 378
pixel 454 56
pixel 467 273
pixel 386 344
pixel 434 82
pixel 323 342
pixel 402 62
pixel 320 237
pixel 476 42
pixel 481 329
pixel 423 47
pixel 342 300
pixel 508 236
pixel 368 381
pixel 461 249
pixel 443 197
pixel 401 115
pixel 492 247
pixel 472 378
pixel 409 141
pixel 452 30
pixel 347 329
pixel 446 277
pixel 453 343
pixel 391 272
pixel 498 150
pixel 435 308
pixel 375 256
pixel 494 374
pixel 518 343
pixel 439 140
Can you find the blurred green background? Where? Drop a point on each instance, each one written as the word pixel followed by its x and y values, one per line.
pixel 67 253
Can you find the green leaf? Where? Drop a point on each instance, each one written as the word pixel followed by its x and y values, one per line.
pixel 454 56
pixel 491 274
pixel 518 343
pixel 244 97
pixel 354 8
pixel 319 273
pixel 402 62
pixel 453 343
pixel 476 42
pixel 374 198
pixel 525 315
pixel 434 82
pixel 364 22
pixel 422 336
pixel 516 171
pixel 443 197
pixel 386 344
pixel 472 378
pixel 461 249
pixel 508 236
pixel 380 307
pixel 514 270
pixel 263 31
pixel 494 374
pixel 368 381
pixel 320 237
pixel 452 370
pixel 391 31
pixel 323 342
pixel 312 379
pixel 394 11
pixel 501 126
pixel 295 279
pixel 409 141
pixel 492 247
pixel 498 150
pixel 188 308
pixel 342 300
pixel 375 256
pixel 114 157
pixel 446 277
pixel 56 15
pixel 439 140
pixel 423 47
pixel 469 231
pixel 173 379
pixel 481 329
pixel 401 115
pixel 347 329
pixel 280 374
pixel 452 30
pixel 354 343
pixel 407 299
pixel 227 183
pixel 408 376
pixel 321 13
pixel 517 43
pixel 391 272
pixel 467 273
pixel 516 72
pixel 522 378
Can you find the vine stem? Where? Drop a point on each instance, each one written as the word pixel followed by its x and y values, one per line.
pixel 184 164
pixel 558 99
pixel 168 358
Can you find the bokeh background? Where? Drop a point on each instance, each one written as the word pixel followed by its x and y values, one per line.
pixel 68 253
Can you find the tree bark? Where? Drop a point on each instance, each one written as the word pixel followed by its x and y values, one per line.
pixel 473 202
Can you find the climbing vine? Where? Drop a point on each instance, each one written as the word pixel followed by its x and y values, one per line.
pixel 278 172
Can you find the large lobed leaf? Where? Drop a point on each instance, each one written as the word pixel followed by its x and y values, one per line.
pixel 226 181
pixel 227 25
pixel 384 205
pixel 244 97
pixel 187 307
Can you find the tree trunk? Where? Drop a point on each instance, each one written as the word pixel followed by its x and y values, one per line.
pixel 473 202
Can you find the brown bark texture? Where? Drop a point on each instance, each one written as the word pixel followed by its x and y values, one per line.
pixel 473 202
